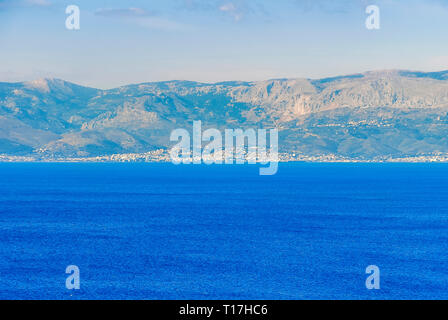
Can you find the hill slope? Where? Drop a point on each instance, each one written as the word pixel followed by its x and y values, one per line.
pixel 370 115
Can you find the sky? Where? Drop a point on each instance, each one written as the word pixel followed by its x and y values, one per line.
pixel 124 42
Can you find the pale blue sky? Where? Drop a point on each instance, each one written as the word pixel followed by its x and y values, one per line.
pixel 217 40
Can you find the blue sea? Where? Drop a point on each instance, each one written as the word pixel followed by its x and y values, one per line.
pixel 159 231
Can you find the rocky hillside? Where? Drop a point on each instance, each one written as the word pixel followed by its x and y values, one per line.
pixel 375 114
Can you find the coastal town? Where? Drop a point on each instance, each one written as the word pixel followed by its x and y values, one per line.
pixel 163 155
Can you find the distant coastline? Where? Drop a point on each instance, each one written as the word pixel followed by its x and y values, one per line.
pixel 162 156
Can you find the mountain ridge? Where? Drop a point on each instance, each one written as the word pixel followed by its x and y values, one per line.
pixel 386 113
pixel 438 75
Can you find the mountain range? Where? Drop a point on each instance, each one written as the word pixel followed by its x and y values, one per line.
pixel 369 115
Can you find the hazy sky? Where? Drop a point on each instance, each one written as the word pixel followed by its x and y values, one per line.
pixel 122 42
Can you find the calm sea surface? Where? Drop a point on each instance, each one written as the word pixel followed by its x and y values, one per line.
pixel 159 231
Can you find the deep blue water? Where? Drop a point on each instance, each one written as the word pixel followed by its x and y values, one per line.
pixel 157 231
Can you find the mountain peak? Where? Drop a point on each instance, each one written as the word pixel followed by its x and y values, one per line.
pixel 57 86
pixel 47 84
pixel 39 84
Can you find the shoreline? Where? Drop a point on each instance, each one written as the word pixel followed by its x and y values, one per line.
pixel 163 156
pixel 258 163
